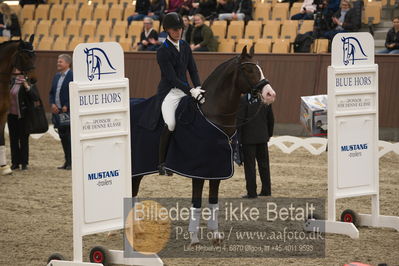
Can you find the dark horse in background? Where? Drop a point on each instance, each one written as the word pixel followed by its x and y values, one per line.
pixel 223 87
pixel 13 54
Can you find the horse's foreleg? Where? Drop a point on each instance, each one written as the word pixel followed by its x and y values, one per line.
pixel 4 168
pixel 195 210
pixel 213 224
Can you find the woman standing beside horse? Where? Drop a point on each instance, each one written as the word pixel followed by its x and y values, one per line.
pixel 21 96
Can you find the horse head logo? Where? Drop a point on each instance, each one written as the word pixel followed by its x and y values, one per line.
pixel 353 50
pixel 97 63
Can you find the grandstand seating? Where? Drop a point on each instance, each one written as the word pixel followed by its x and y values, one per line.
pixel 85 12
pixel 295 9
pixel 56 12
pixel 307 25
pixel 372 13
pixel 281 46
pixel 280 12
pixel 262 12
pixel 41 12
pixel 61 24
pixel 60 44
pixel 115 12
pixel 58 28
pixel 100 12
pixel 88 28
pixel 241 43
pixel 271 29
pixel 235 30
pixel 320 46
pixel 226 46
pixel 263 46
pixel 289 29
pixel 70 12
pixel 45 43
pixel 73 28
pixel 104 28
pixel 43 28
pixel 253 30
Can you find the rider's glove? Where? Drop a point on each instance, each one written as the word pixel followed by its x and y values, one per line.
pixel 198 94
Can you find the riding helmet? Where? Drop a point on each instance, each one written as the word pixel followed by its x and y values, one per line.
pixel 172 21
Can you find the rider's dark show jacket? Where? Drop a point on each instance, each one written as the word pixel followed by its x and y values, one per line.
pixel 174 66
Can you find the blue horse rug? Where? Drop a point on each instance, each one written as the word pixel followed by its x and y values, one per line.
pixel 197 148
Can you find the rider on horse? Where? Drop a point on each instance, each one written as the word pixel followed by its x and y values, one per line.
pixel 174 58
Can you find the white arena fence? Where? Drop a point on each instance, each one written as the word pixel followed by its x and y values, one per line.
pixel 286 144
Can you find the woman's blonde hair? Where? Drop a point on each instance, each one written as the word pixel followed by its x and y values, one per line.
pixel 7 12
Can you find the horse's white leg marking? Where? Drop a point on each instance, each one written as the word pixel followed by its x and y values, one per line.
pixel 268 94
pixel 3 155
pixel 213 224
pixel 5 169
pixel 193 227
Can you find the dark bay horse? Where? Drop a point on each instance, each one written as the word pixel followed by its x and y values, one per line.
pixel 223 87
pixel 13 54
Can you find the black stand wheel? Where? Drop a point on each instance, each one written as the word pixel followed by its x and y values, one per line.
pixel 99 255
pixel 349 216
pixel 55 256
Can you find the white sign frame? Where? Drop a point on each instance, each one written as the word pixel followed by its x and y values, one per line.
pixel 89 131
pixel 353 101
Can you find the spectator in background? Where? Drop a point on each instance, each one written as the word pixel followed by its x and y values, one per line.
pixel 59 101
pixel 187 30
pixel 392 40
pixel 235 10
pixel 174 6
pixel 344 20
pixel 202 38
pixel 255 123
pixel 156 9
pixel 186 7
pixel 307 11
pixel 207 8
pixel 9 25
pixel 148 37
pixel 21 96
pixel 142 9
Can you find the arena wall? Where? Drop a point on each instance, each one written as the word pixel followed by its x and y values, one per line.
pixel 291 76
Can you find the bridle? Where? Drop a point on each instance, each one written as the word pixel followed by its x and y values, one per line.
pixel 17 64
pixel 255 88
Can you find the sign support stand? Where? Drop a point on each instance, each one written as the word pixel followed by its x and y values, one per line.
pixel 100 130
pixel 353 159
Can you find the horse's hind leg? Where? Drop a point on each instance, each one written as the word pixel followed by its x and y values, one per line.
pixel 195 210
pixel 213 225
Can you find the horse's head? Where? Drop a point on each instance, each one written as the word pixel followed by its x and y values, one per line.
pixel 251 78
pixel 347 50
pixel 24 59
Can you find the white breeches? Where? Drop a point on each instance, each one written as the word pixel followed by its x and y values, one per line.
pixel 169 106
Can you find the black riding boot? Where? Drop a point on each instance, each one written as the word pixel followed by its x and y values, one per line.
pixel 163 150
